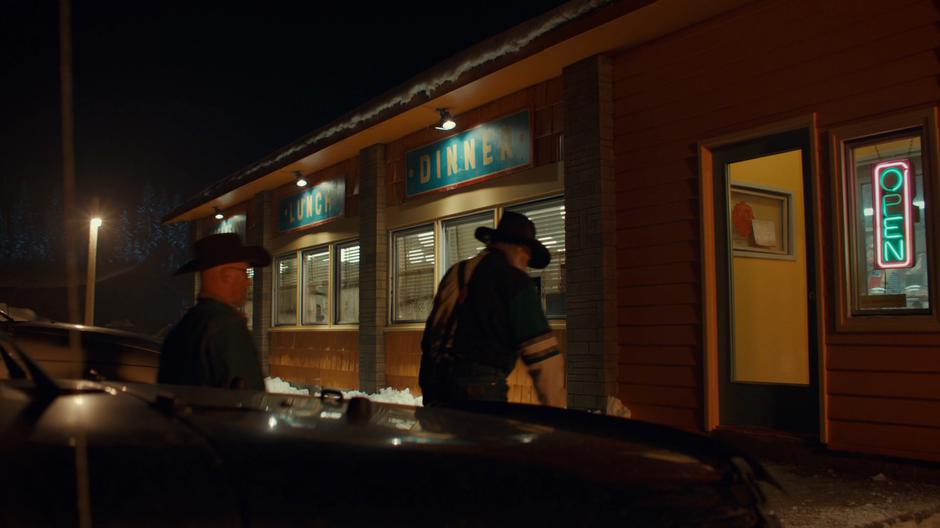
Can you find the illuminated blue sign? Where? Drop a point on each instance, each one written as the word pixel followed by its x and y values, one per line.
pixel 471 156
pixel 323 202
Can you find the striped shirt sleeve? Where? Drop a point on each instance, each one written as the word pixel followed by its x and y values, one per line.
pixel 532 335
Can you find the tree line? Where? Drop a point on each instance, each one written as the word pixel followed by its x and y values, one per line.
pixel 32 227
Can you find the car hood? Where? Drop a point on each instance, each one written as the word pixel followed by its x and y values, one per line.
pixel 605 447
pixel 356 459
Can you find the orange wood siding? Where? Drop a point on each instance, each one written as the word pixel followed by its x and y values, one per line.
pixel 325 358
pixel 403 360
pixel 766 62
pixel 543 100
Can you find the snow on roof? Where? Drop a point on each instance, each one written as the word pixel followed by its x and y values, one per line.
pixel 433 83
pixel 428 87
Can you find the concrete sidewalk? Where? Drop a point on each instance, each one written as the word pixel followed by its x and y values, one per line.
pixel 827 489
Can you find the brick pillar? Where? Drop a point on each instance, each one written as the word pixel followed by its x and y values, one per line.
pixel 260 232
pixel 590 234
pixel 373 269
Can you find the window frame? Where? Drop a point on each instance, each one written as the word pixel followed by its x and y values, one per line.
pixel 438 225
pixel 842 139
pixel 301 285
pixel 276 293
pixel 335 297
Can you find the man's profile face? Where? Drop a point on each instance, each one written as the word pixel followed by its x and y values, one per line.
pixel 236 278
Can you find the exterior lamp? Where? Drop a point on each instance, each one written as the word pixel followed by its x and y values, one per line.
pixel 218 214
pixel 446 122
pixel 301 181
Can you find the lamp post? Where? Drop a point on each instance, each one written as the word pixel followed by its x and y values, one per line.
pixel 90 281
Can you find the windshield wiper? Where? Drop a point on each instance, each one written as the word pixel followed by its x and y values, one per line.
pixel 45 384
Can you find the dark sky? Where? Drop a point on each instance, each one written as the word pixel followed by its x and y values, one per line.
pixel 185 93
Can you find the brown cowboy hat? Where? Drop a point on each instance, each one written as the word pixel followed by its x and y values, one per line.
pixel 515 228
pixel 223 248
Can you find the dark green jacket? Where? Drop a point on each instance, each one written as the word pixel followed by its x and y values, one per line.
pixel 211 347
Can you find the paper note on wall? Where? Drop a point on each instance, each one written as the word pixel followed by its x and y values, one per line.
pixel 765 233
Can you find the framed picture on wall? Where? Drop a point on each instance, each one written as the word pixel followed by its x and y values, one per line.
pixel 760 221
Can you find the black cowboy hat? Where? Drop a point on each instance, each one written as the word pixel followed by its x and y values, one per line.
pixel 515 228
pixel 223 248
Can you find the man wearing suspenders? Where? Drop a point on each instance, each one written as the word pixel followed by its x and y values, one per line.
pixel 487 314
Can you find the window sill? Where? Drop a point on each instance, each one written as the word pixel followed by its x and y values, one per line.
pixel 312 328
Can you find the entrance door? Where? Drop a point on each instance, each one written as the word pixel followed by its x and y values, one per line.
pixel 766 276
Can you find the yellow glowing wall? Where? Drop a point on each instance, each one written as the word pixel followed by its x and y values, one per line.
pixel 771 333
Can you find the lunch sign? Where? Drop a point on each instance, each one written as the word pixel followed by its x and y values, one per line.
pixel 471 156
pixel 323 202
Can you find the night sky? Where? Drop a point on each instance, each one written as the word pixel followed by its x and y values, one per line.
pixel 186 93
pixel 171 97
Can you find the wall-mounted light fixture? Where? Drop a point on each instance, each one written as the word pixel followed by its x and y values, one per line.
pixel 446 122
pixel 218 214
pixel 301 181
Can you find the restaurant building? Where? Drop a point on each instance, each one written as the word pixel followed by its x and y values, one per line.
pixel 740 198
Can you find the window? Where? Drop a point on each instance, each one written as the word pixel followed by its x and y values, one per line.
pixel 413 274
pixel 248 308
pixel 885 200
pixel 286 290
pixel 347 283
pixel 888 225
pixel 459 240
pixel 316 286
pixel 549 219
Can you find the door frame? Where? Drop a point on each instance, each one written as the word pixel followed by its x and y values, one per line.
pixel 711 320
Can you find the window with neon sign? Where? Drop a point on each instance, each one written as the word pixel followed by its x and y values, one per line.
pixel 888 225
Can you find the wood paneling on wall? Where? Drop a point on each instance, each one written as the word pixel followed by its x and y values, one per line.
pixel 773 60
pixel 325 358
pixel 403 361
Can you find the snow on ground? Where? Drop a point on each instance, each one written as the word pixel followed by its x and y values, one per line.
pixel 389 395
pixel 386 395
pixel 823 498
pixel 280 386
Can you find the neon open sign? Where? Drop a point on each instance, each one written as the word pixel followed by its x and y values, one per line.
pixel 894 219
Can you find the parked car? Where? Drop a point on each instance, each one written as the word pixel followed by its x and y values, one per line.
pixel 104 352
pixel 127 454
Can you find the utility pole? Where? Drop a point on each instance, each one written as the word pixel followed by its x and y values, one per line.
pixel 68 164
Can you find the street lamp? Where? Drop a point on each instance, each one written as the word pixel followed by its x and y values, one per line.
pixel 90 280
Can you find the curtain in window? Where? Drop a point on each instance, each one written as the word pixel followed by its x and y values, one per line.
pixel 286 278
pixel 347 283
pixel 549 219
pixel 413 275
pixel 459 242
pixel 316 277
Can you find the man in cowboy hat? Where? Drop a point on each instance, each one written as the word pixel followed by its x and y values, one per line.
pixel 211 346
pixel 487 314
